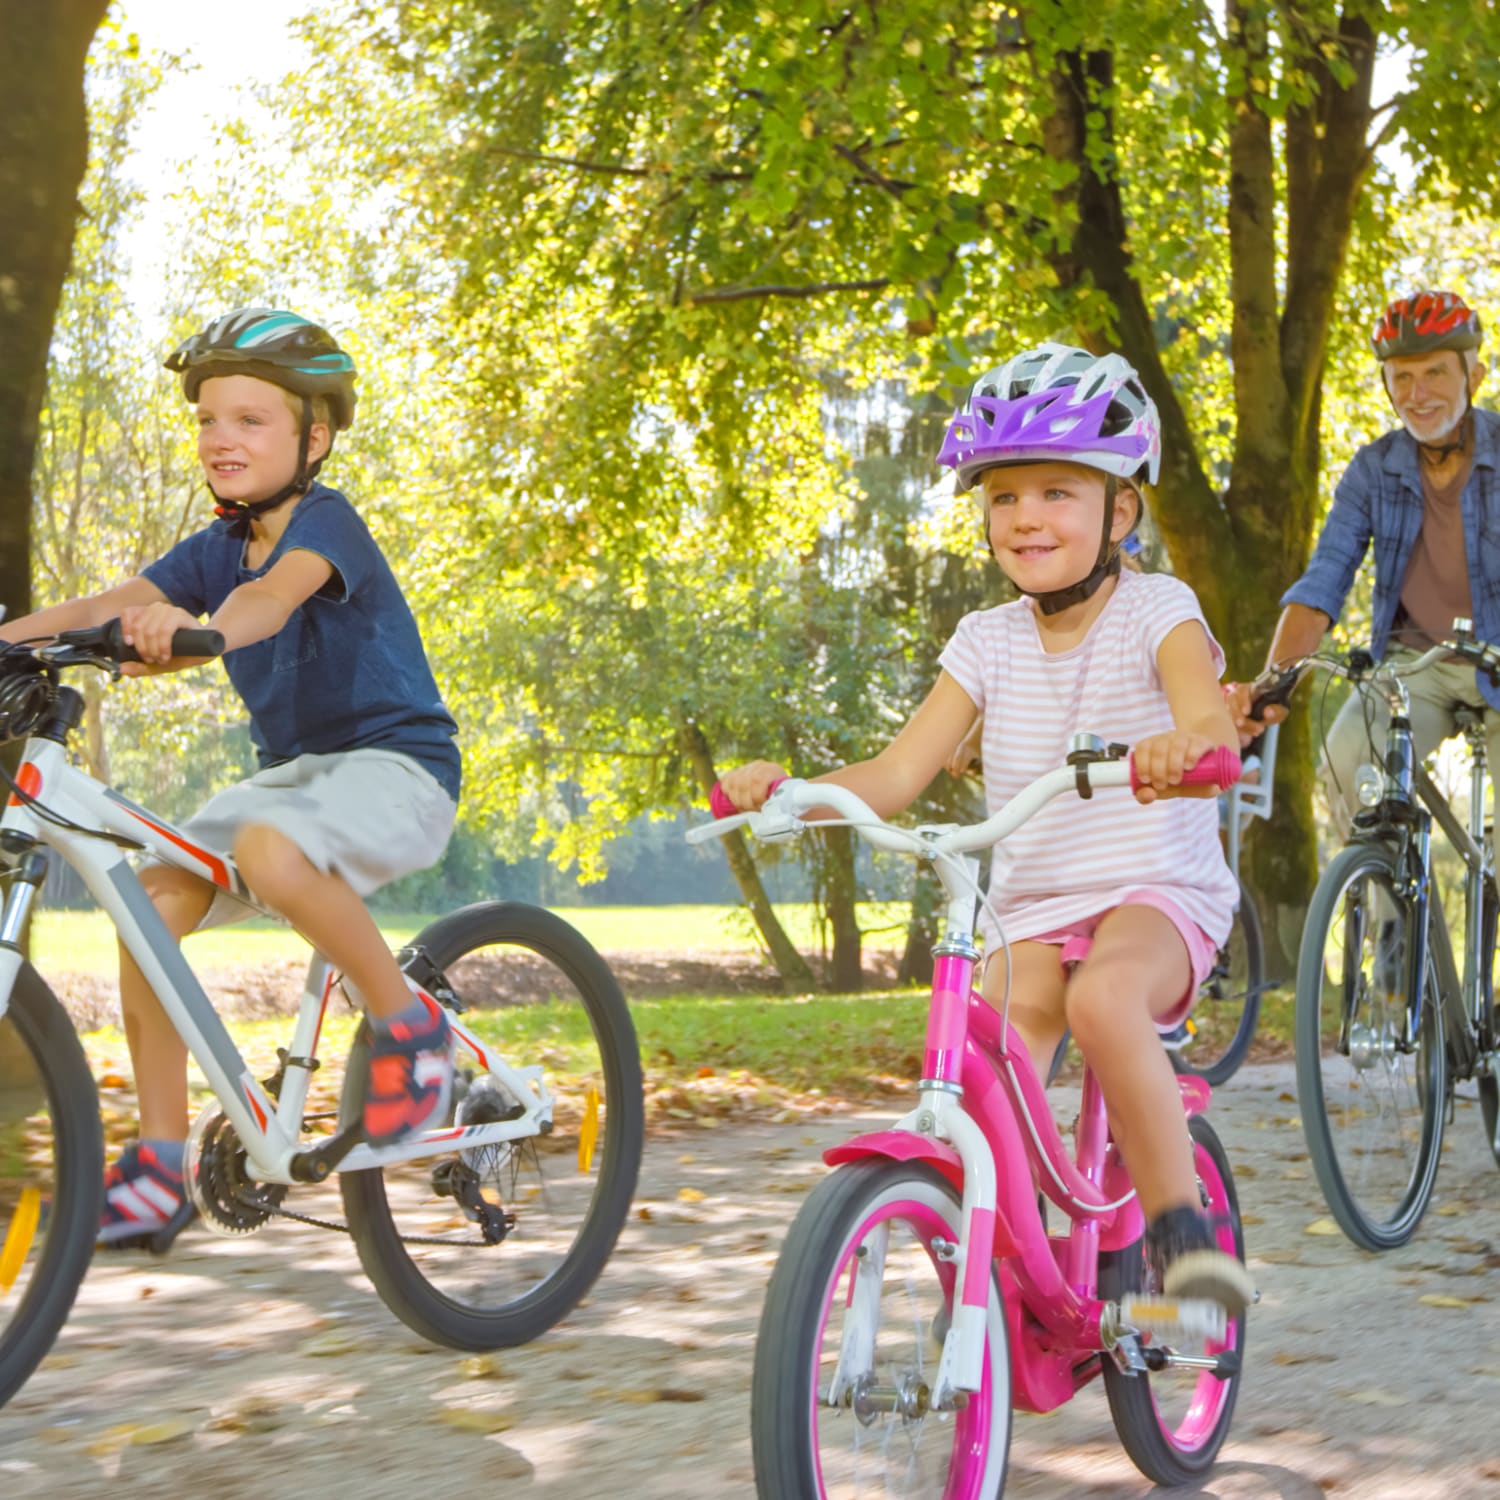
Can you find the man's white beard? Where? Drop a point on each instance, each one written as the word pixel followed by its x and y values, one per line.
pixel 1435 439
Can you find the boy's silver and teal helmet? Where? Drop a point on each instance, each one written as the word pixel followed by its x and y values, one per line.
pixel 286 350
pixel 273 345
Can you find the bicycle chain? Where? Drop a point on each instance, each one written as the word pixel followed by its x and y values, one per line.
pixel 261 1206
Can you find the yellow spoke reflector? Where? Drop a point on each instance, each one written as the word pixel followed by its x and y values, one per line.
pixel 19 1236
pixel 588 1131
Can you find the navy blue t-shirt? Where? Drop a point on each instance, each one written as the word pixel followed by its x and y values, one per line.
pixel 347 671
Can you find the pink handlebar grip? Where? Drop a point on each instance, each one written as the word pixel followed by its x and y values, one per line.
pixel 1220 768
pixel 720 805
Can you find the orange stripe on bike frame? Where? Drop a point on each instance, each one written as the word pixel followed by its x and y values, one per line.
pixel 29 781
pixel 215 864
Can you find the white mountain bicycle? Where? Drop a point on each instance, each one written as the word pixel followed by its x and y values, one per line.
pixel 480 1234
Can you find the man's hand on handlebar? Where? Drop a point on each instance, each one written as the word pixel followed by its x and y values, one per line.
pixel 748 786
pixel 149 628
pixel 1255 706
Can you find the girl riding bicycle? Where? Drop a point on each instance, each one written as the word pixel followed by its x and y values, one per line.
pixel 1113 912
pixel 359 774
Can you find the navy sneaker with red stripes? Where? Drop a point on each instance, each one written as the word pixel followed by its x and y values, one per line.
pixel 143 1198
pixel 411 1072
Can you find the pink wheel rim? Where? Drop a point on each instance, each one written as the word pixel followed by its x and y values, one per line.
pixel 971 1426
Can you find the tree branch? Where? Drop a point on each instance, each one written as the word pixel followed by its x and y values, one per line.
pixel 818 289
pixel 611 169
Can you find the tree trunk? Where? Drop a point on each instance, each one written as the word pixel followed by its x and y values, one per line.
pixel 921 932
pixel 43 153
pixel 795 974
pixel 1265 519
pixel 839 896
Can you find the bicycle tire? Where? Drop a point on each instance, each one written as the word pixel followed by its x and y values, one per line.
pixel 565 1226
pixel 51 1175
pixel 1228 1004
pixel 796 1437
pixel 1378 1185
pixel 1167 1448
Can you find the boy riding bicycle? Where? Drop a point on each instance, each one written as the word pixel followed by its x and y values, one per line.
pixel 1113 912
pixel 359 773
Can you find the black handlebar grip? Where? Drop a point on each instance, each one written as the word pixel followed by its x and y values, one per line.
pixel 195 642
pixel 201 642
pixel 1271 688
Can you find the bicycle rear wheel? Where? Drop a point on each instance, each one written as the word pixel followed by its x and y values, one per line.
pixel 1371 1103
pixel 1173 1421
pixel 850 1338
pixel 1228 1004
pixel 547 998
pixel 51 1175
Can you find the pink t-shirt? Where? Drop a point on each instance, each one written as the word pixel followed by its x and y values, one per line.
pixel 1075 857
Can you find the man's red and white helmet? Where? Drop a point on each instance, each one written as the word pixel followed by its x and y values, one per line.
pixel 1421 322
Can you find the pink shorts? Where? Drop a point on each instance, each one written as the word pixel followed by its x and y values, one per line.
pixel 1077 940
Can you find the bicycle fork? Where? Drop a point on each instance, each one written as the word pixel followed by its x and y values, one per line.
pixel 31 872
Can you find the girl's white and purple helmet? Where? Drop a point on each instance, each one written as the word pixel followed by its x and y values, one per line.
pixel 1056 402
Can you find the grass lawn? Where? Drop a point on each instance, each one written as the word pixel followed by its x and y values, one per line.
pixel 85 940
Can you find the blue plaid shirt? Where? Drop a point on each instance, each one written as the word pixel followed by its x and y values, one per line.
pixel 1379 499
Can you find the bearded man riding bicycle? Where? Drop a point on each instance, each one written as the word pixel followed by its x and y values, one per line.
pixel 1428 496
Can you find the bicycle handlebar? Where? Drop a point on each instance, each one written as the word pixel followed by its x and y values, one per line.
pixel 108 641
pixel 781 816
pixel 1276 684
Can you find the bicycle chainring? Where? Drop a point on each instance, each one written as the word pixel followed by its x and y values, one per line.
pixel 230 1200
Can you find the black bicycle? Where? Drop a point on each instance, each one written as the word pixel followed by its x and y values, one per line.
pixel 1386 1025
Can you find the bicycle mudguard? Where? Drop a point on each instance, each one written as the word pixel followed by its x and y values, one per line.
pixel 907 1145
pixel 1195 1094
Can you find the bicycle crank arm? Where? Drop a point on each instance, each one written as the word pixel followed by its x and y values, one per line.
pixel 315 1165
pixel 1220 1366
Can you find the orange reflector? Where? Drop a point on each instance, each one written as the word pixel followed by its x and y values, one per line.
pixel 29 780
pixel 18 1237
pixel 588 1131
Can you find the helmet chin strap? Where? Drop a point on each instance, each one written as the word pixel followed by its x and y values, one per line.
pixel 1106 565
pixel 240 514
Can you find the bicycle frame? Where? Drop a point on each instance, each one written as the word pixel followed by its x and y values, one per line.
pixel 987 1126
pixel 1409 804
pixel 269 1129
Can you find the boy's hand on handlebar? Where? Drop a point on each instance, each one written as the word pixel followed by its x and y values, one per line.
pixel 748 786
pixel 150 628
pixel 1160 760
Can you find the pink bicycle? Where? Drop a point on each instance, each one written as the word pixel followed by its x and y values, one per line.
pixel 919 1298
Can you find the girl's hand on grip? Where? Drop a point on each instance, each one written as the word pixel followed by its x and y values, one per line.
pixel 748 786
pixel 1161 759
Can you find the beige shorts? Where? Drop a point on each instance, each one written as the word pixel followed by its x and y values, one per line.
pixel 369 816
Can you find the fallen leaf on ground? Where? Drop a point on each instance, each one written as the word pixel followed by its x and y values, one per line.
pixel 467 1419
pixel 1375 1398
pixel 690 1195
pixel 1322 1226
pixel 1441 1299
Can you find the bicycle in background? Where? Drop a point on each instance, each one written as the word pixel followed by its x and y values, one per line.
pixel 1216 1038
pixel 918 1297
pixel 479 1234
pixel 1386 1022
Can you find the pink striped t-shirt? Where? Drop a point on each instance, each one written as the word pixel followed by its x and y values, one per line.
pixel 1075 857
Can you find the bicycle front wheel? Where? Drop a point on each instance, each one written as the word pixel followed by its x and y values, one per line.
pixel 850 1340
pixel 51 1175
pixel 1371 1102
pixel 542 994
pixel 1228 1004
pixel 1172 1421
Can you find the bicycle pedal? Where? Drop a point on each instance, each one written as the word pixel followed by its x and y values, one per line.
pixel 1189 1318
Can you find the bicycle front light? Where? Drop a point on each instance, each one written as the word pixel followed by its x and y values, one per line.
pixel 1369 786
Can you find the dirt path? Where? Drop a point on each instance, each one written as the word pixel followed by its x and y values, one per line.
pixel 239 1366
